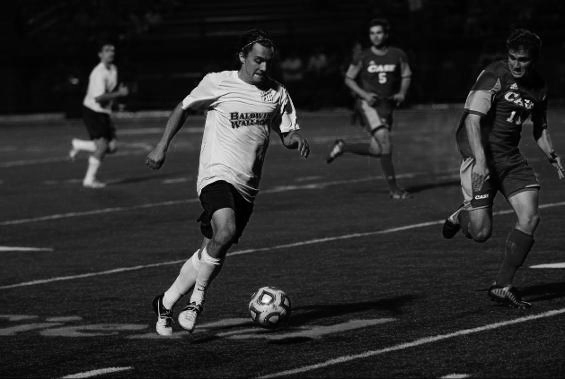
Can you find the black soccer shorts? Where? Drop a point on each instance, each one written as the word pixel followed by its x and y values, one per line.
pixel 98 124
pixel 218 195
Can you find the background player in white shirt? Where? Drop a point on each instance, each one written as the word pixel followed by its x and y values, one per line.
pixel 242 108
pixel 97 107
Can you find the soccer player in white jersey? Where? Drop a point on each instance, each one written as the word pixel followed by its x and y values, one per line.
pixel 242 108
pixel 97 106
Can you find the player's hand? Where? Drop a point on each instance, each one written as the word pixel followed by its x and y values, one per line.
pixel 371 98
pixel 123 90
pixel 155 158
pixel 558 164
pixel 301 144
pixel 479 175
pixel 398 98
pixel 303 147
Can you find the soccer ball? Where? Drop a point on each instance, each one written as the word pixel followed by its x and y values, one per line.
pixel 269 307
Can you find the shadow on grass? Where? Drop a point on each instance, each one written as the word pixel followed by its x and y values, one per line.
pixel 437 184
pixel 542 292
pixel 306 314
pixel 414 188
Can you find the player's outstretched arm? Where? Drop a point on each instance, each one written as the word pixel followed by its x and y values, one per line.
pixel 294 140
pixel 543 140
pixel 156 157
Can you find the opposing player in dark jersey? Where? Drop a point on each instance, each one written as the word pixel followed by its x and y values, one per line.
pixel 380 77
pixel 505 94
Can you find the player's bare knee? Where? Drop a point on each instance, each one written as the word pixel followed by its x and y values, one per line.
pixel 374 151
pixel 481 233
pixel 112 147
pixel 225 235
pixel 529 223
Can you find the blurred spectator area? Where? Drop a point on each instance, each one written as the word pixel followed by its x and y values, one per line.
pixel 164 47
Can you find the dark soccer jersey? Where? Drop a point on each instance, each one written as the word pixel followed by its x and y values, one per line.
pixel 504 102
pixel 381 74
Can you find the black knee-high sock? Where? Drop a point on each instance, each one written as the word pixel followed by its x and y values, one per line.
pixel 388 169
pixel 518 245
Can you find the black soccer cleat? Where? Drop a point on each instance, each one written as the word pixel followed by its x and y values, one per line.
pixel 164 324
pixel 336 151
pixel 508 296
pixel 451 224
pixel 450 229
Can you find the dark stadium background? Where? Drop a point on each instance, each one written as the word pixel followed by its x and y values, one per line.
pixel 165 46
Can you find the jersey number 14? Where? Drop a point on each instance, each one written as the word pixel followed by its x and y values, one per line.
pixel 515 118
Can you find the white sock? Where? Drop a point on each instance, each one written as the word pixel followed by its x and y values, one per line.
pixel 208 267
pixel 93 166
pixel 183 283
pixel 84 145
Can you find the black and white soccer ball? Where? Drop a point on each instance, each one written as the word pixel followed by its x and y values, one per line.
pixel 269 307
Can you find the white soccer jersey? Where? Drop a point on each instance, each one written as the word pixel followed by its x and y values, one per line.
pixel 236 133
pixel 101 80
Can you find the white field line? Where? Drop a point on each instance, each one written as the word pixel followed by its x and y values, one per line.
pixel 187 201
pixel 100 371
pixel 142 148
pixel 550 265
pixel 22 249
pixel 249 251
pixel 29 162
pixel 415 343
pixel 95 212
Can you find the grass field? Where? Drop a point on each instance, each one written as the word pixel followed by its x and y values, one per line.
pixel 376 291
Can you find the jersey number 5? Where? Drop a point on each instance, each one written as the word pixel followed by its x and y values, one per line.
pixel 382 77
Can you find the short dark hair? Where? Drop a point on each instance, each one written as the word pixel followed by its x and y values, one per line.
pixel 251 37
pixel 383 22
pixel 524 39
pixel 100 45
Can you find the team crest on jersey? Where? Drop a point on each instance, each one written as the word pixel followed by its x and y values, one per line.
pixel 268 96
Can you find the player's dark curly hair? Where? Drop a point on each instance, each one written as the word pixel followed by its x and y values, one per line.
pixel 383 22
pixel 104 42
pixel 524 39
pixel 251 37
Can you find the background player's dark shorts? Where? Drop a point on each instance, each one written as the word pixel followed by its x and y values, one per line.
pixel 220 195
pixel 375 116
pixel 98 124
